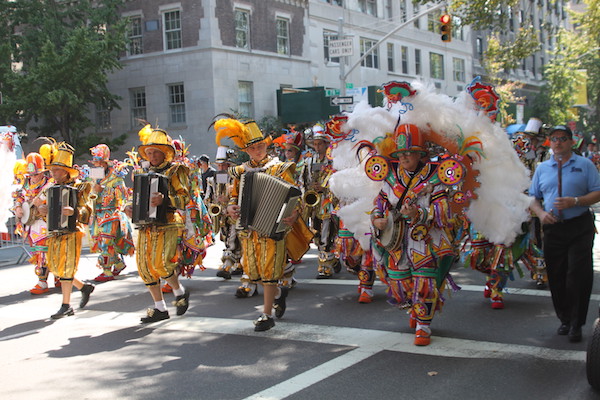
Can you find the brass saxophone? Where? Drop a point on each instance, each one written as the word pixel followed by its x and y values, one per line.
pixel 215 208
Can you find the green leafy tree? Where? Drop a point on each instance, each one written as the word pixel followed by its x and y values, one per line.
pixel 60 54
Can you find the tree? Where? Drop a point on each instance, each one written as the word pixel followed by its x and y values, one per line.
pixel 61 53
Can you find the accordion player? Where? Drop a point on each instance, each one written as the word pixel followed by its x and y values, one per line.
pixel 60 196
pixel 264 202
pixel 143 187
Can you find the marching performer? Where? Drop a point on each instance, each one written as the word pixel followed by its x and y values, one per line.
pixel 110 228
pixel 64 245
pixel 321 202
pixel 416 270
pixel 263 258
pixel 157 253
pixel 34 228
pixel 217 196
pixel 292 147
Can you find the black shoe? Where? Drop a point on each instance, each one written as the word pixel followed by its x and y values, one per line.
pixel 563 329
pixel 280 302
pixel 337 267
pixel 237 272
pixel 86 290
pixel 154 315
pixel 64 311
pixel 182 302
pixel 323 275
pixel 264 323
pixel 242 292
pixel 223 274
pixel 575 334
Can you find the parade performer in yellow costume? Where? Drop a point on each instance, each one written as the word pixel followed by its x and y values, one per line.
pixel 64 247
pixel 157 252
pixel 263 258
pixel 110 229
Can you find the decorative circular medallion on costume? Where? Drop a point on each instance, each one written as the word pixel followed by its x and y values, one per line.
pixel 451 172
pixel 328 153
pixel 420 309
pixel 363 276
pixel 419 232
pixel 459 198
pixel 377 168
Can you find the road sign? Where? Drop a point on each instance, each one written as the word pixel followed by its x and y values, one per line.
pixel 338 100
pixel 340 48
pixel 332 92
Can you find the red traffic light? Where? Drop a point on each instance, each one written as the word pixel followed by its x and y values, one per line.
pixel 446 27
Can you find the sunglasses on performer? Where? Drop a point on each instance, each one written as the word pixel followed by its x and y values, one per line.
pixel 559 138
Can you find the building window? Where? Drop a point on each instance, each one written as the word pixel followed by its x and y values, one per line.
pixel 283 36
pixel 436 66
pixel 245 98
pixel 458 69
pixel 335 2
pixel 372 59
pixel 138 105
pixel 479 47
pixel 103 117
pixel 403 11
pixel 242 29
pixel 390 56
pixel 176 104
pixel 388 9
pixel 327 36
pixel 418 61
pixel 368 7
pixel 134 36
pixel 416 8
pixel 404 58
pixel 172 25
pixel 433 21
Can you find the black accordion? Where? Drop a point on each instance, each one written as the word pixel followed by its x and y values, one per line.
pixel 59 196
pixel 264 201
pixel 143 187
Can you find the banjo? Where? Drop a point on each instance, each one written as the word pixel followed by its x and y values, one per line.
pixel 29 214
pixel 392 235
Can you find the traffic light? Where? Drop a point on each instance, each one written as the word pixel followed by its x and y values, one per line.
pixel 446 27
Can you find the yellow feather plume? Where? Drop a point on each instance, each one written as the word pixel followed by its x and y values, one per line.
pixel 145 133
pixel 48 151
pixel 20 167
pixel 233 129
pixel 386 146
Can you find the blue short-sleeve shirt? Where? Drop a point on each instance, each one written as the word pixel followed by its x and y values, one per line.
pixel 579 177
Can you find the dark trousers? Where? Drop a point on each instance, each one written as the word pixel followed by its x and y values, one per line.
pixel 568 254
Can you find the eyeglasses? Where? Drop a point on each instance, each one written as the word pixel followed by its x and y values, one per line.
pixel 559 138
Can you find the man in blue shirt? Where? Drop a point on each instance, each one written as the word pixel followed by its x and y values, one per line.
pixel 567 184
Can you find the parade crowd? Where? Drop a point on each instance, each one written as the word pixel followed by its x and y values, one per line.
pixel 399 193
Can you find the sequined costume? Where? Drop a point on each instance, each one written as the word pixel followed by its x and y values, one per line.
pixel 157 252
pixel 263 258
pixel 416 271
pixel 110 228
pixel 34 231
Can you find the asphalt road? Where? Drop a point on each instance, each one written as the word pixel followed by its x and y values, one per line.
pixel 326 346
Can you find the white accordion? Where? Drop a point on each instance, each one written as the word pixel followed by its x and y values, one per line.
pixel 264 202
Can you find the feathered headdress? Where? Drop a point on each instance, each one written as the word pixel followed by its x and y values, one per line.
pixel 156 138
pixel 243 134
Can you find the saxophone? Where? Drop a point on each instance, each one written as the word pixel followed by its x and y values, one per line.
pixel 215 209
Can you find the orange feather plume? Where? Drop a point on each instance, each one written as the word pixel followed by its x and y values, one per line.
pixel 233 129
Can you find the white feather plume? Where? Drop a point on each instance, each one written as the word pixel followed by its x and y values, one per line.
pixel 501 205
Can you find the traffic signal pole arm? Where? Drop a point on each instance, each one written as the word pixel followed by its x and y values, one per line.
pixel 343 76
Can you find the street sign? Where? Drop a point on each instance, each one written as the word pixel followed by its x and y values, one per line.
pixel 340 48
pixel 338 100
pixel 332 92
